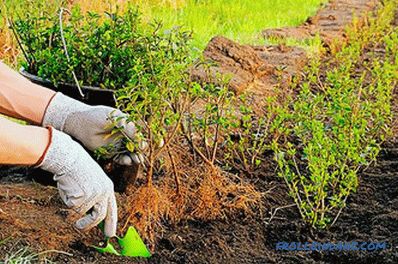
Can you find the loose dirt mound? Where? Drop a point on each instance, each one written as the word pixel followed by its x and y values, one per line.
pixel 238 61
pixel 33 215
pixel 251 68
pixel 329 23
pixel 260 69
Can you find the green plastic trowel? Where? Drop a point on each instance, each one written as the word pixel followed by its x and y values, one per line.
pixel 131 245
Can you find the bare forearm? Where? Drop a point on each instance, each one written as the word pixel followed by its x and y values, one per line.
pixel 21 98
pixel 20 144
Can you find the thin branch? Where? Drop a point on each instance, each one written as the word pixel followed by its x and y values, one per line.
pixel 61 11
pixel 176 178
pixel 338 214
pixel 277 209
pixel 16 35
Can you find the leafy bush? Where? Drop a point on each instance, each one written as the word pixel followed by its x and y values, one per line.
pixel 249 136
pixel 184 123
pixel 338 121
pixel 108 50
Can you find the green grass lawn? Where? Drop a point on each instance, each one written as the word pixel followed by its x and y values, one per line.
pixel 240 20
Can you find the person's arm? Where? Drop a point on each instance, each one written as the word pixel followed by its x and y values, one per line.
pixel 81 182
pixel 21 145
pixel 90 125
pixel 21 98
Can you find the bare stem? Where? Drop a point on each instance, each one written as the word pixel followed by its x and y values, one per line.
pixel 176 174
pixel 61 12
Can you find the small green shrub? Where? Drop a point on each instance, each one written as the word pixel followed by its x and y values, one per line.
pixel 184 123
pixel 105 50
pixel 158 93
pixel 336 124
pixel 248 137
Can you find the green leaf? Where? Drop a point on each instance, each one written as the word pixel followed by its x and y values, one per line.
pixel 130 146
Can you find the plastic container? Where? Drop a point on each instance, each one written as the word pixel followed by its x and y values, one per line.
pixel 92 95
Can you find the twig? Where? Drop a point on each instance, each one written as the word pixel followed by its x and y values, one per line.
pixel 54 251
pixel 177 179
pixel 338 214
pixel 61 11
pixel 188 136
pixel 215 144
pixel 204 158
pixel 11 25
pixel 279 208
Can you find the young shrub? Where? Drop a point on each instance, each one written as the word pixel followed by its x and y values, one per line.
pixel 207 131
pixel 184 130
pixel 103 49
pixel 335 127
pixel 156 98
pixel 249 137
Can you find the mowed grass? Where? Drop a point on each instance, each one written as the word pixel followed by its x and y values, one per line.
pixel 240 20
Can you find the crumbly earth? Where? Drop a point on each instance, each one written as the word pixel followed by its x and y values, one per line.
pixel 32 215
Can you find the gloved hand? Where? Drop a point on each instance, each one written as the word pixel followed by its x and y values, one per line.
pixel 81 182
pixel 92 125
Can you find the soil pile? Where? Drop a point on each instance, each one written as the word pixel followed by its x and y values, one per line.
pixel 259 69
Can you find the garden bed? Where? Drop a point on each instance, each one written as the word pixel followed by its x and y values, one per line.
pixel 371 215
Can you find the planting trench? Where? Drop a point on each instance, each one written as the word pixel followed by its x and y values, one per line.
pixel 33 215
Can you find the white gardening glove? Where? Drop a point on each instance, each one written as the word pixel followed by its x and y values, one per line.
pixel 91 125
pixel 81 182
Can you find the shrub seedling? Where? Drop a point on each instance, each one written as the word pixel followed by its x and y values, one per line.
pixel 335 127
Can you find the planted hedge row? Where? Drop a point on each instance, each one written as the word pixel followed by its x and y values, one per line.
pixel 338 121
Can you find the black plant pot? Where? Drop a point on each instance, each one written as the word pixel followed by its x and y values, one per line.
pixel 92 95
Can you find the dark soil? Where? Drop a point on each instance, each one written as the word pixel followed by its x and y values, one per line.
pixel 33 215
pixel 371 215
